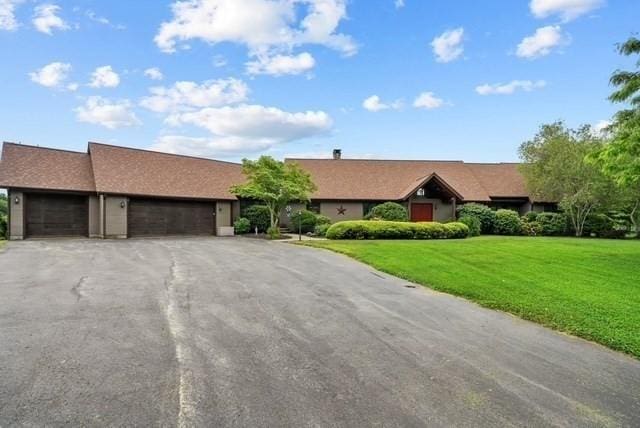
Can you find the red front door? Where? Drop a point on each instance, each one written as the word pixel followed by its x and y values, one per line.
pixel 421 212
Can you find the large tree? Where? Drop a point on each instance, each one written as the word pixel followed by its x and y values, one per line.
pixel 554 168
pixel 276 184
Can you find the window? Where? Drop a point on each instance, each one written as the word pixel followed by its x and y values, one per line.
pixel 314 207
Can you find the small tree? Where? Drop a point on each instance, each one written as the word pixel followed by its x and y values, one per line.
pixel 276 184
pixel 555 170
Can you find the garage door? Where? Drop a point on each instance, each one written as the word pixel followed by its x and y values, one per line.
pixel 56 215
pixel 157 217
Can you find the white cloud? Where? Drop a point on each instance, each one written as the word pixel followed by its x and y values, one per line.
pixel 374 104
pixel 110 114
pixel 428 100
pixel 154 73
pixel 45 19
pixel 243 129
pixel 269 28
pixel 510 88
pixel 51 75
pixel 102 20
pixel 219 61
pixel 104 77
pixel 185 95
pixel 599 129
pixel 399 4
pixel 448 45
pixel 73 87
pixel 8 20
pixel 542 42
pixel 567 10
pixel 279 65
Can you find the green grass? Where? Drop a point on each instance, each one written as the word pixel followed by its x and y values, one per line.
pixel 586 287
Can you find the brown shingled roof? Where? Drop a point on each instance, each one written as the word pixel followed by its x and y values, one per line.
pixel 360 179
pixel 24 166
pixel 141 172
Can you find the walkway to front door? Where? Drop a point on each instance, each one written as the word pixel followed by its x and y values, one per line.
pixel 421 212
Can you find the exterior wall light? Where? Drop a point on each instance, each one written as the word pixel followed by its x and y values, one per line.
pixel 17 200
pixel 122 204
pixel 420 191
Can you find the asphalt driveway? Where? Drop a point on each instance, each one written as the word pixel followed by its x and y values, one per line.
pixel 239 332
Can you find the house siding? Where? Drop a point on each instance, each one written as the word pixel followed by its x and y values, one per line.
pixel 94 217
pixel 115 217
pixel 16 215
pixel 442 211
pixel 353 210
pixel 223 214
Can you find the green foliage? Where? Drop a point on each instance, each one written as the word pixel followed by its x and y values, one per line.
pixel 583 287
pixel 321 229
pixel 275 183
pixel 552 224
pixel 483 213
pixel 3 205
pixel 507 223
pixel 390 211
pixel 555 170
pixel 3 227
pixel 473 223
pixel 241 226
pixel 273 232
pixel 600 225
pixel 531 216
pixel 258 216
pixel 363 229
pixel 530 228
pixel 322 219
pixel 307 220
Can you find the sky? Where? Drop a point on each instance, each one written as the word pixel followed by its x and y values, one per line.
pixel 227 79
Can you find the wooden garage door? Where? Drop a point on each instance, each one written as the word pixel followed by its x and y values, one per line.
pixel 157 217
pixel 56 215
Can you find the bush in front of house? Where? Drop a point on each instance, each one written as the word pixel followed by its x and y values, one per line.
pixel 363 229
pixel 258 216
pixel 308 221
pixel 389 211
pixel 507 223
pixel 483 213
pixel 531 216
pixel 530 228
pixel 552 224
pixel 603 226
pixel 473 223
pixel 321 229
pixel 241 226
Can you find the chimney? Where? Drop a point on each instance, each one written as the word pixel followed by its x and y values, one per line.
pixel 337 154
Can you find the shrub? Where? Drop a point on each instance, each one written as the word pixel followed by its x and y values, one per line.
pixel 603 226
pixel 507 223
pixel 242 226
pixel 321 229
pixel 552 224
pixel 531 216
pixel 362 229
pixel 389 211
pixel 473 223
pixel 3 227
pixel 322 219
pixel 483 213
pixel 273 232
pixel 530 228
pixel 306 220
pixel 258 216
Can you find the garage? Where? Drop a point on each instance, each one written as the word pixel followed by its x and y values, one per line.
pixel 159 217
pixel 48 214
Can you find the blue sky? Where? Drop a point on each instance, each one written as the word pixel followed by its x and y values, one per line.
pixel 425 79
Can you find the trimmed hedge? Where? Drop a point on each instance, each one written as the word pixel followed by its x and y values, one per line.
pixel 309 221
pixel 321 229
pixel 507 223
pixel 552 224
pixel 483 213
pixel 473 223
pixel 258 216
pixel 390 211
pixel 363 229
pixel 242 226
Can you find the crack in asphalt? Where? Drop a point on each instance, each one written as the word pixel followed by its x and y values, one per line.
pixel 76 290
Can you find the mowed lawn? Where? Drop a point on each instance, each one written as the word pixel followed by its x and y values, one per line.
pixel 586 287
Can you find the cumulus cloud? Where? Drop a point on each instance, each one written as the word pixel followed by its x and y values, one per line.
pixel 374 104
pixel 51 75
pixel 104 77
pixel 542 42
pixel 271 29
pixel 510 88
pixel 185 95
pixel 279 65
pixel 567 10
pixel 399 4
pixel 448 46
pixel 102 20
pixel 154 73
pixel 8 20
pixel 45 19
pixel 110 114
pixel 428 100
pixel 243 129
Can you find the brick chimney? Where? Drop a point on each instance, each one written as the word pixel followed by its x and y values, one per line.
pixel 337 154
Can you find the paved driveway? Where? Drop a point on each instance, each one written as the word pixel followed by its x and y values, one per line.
pixel 237 332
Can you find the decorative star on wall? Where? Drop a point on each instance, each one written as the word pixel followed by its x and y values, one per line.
pixel 341 210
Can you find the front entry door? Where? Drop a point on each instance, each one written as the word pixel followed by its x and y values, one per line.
pixel 421 212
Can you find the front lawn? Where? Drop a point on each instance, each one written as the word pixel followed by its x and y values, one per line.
pixel 586 287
